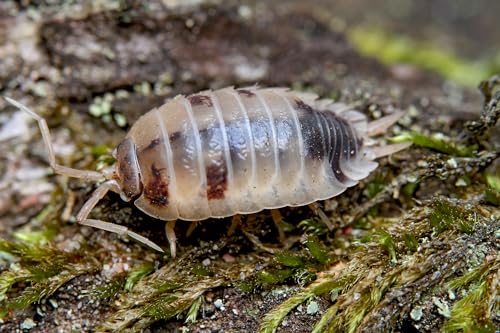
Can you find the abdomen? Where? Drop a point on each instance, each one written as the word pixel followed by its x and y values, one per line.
pixel 219 153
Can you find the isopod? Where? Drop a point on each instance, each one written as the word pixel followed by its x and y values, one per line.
pixel 232 151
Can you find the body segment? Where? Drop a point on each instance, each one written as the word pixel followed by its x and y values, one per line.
pixel 229 151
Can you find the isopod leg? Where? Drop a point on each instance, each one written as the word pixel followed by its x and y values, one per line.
pixel 191 228
pixel 169 230
pixel 321 214
pixel 120 230
pixel 235 222
pixel 58 169
pixel 278 222
pixel 98 194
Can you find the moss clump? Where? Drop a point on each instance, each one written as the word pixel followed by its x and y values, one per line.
pixel 387 242
pixel 493 181
pixel 392 49
pixel 475 311
pixel 317 250
pixel 320 287
pixel 43 268
pixel 446 216
pixel 438 143
pixel 110 289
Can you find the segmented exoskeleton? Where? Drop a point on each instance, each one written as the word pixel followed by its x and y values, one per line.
pixel 234 151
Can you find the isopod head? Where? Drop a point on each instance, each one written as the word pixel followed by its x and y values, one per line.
pixel 127 172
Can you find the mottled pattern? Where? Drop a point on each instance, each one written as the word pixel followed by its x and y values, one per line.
pixel 156 190
pixel 243 150
pixel 200 99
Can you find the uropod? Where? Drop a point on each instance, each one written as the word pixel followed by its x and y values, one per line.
pixel 232 151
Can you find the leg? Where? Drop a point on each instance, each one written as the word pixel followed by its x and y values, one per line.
pixel 58 169
pixel 278 220
pixel 169 230
pixel 98 194
pixel 318 211
pixel 191 228
pixel 235 222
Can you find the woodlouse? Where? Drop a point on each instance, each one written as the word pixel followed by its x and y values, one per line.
pixel 233 151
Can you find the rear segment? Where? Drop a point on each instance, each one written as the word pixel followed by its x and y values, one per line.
pixel 218 153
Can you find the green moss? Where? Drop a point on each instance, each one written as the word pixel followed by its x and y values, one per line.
pixel 492 196
pixel 320 287
pixel 438 143
pixel 369 301
pixel 473 312
pixel 193 310
pixel 445 216
pixel 493 181
pixel 275 276
pixel 392 49
pixel 375 186
pixel 42 267
pixel 137 273
pixel 317 250
pixel 313 226
pixel 468 314
pixel 387 242
pixel 144 305
pixel 201 270
pixel 110 289
pixel 289 260
pixel 100 150
pixel 476 274
pixel 37 237
pixel 411 242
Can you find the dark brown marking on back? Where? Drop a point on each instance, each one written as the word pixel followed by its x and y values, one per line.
pixel 216 181
pixel 335 146
pixel 200 100
pixel 152 144
pixel 312 136
pixel 174 136
pixel 245 92
pixel 156 191
pixel 301 105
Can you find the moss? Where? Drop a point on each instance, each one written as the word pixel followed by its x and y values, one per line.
pixel 446 216
pixel 193 310
pixel 322 286
pixel 387 242
pixel 36 237
pixel 493 181
pixel 411 242
pixel 438 143
pixel 492 196
pixel 110 289
pixel 137 273
pixel 275 276
pixel 317 250
pixel 43 269
pixel 393 49
pixel 470 314
pixel 289 259
pixel 375 186
pixel 313 226
pixel 144 305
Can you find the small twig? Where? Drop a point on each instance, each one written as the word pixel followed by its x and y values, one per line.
pixel 436 167
pixel 491 110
